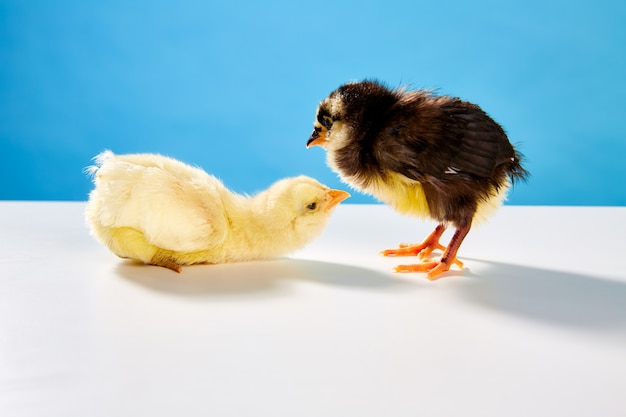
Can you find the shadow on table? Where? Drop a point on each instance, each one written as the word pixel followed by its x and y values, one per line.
pixel 558 297
pixel 255 277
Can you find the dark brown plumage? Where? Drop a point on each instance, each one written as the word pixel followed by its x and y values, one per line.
pixel 426 155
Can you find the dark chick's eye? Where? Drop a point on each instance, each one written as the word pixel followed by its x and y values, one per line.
pixel 327 122
pixel 325 119
pixel 312 206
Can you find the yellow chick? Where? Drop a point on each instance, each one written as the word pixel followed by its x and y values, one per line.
pixel 164 212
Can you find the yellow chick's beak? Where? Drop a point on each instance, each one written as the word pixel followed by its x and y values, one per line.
pixel 317 138
pixel 336 197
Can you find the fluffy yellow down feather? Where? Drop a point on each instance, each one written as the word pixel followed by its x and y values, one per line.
pixel 163 212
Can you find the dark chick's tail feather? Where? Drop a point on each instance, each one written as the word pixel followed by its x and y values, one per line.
pixel 516 171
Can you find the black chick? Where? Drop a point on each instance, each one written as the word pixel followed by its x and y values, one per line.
pixel 425 155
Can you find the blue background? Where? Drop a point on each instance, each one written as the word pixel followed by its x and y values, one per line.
pixel 233 86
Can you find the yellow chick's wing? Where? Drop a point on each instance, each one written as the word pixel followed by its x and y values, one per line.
pixel 175 206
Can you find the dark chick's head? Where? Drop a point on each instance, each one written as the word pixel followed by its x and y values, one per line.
pixel 347 114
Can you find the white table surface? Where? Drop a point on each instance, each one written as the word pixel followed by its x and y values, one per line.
pixel 534 326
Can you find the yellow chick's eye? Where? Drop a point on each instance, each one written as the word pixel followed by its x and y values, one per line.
pixel 312 206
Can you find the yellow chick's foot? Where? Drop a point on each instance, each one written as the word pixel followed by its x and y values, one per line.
pixel 434 268
pixel 421 249
pixel 166 262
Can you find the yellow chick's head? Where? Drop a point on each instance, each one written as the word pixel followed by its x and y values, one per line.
pixel 301 206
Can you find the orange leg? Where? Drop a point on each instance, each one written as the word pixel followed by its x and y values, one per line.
pixel 435 268
pixel 421 249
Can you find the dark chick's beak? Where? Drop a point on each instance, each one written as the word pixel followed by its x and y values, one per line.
pixel 317 138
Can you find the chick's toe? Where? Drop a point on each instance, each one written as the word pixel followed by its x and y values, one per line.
pixel 434 268
pixel 421 249
pixel 165 261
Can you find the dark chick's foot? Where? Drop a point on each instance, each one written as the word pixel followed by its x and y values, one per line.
pixel 421 249
pixel 433 268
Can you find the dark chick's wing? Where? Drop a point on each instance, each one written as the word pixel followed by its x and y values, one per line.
pixel 405 150
pixel 479 144
pixel 462 141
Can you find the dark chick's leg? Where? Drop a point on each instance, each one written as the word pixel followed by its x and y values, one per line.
pixel 435 268
pixel 421 249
